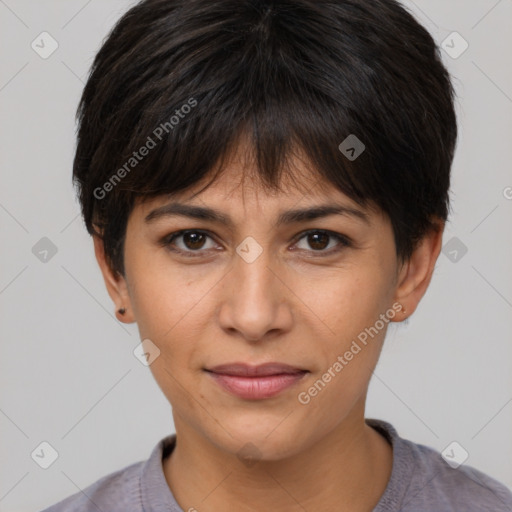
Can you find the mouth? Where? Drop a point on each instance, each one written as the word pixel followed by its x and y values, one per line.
pixel 256 382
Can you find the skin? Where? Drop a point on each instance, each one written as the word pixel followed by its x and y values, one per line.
pixel 289 306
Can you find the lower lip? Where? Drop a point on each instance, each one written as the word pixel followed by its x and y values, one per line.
pixel 257 388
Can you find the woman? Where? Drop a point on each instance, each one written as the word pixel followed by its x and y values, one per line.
pixel 266 184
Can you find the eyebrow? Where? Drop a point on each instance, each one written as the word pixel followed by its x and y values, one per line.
pixel 287 217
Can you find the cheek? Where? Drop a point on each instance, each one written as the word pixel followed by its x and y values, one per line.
pixel 163 295
pixel 350 305
pixel 173 311
pixel 348 300
pixel 347 307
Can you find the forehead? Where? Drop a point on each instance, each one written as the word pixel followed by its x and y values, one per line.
pixel 279 208
pixel 238 182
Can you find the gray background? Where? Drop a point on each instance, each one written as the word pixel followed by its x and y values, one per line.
pixel 67 372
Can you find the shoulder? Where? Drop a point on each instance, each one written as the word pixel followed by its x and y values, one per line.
pixel 115 492
pixel 422 480
pixel 460 487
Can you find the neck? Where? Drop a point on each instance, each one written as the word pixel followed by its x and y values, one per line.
pixel 346 470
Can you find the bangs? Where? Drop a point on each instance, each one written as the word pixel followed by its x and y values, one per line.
pixel 277 120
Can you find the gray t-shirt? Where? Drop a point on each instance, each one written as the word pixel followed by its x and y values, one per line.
pixel 421 481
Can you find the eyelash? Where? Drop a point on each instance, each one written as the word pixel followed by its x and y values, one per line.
pixel 344 242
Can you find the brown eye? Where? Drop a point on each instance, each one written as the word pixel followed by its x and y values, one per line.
pixel 318 241
pixel 193 242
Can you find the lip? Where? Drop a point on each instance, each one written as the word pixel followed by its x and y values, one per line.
pixel 256 382
pixel 246 370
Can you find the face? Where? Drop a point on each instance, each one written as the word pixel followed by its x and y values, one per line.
pixel 315 293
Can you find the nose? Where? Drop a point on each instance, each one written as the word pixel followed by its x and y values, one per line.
pixel 255 303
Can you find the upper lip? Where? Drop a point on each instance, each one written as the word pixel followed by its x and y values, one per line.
pixel 245 370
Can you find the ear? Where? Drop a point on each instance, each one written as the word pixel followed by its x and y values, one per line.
pixel 415 275
pixel 116 284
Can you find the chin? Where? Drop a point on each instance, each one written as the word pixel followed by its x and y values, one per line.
pixel 254 437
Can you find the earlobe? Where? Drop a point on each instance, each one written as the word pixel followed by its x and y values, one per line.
pixel 115 284
pixel 416 274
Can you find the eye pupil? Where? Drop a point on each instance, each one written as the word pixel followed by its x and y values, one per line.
pixel 193 237
pixel 315 237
